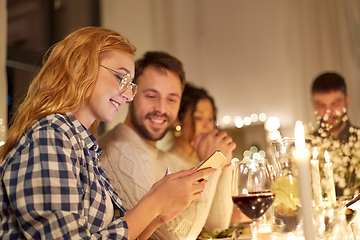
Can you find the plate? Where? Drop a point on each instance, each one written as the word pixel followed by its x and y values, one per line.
pixel 239 238
pixel 244 230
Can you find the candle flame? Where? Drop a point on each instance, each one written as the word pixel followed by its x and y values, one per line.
pixel 299 135
pixel 315 154
pixel 327 157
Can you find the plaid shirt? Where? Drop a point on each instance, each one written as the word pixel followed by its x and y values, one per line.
pixel 52 186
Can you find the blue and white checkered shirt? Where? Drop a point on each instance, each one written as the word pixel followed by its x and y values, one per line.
pixel 52 186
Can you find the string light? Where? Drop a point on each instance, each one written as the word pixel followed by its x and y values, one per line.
pixel 253 149
pixel 226 119
pixel 247 153
pixel 254 117
pixel 262 117
pixel 262 153
pixel 239 123
pixel 247 121
pixel 254 152
pixel 271 123
pixel 274 135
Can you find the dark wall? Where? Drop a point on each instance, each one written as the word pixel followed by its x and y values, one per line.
pixel 35 25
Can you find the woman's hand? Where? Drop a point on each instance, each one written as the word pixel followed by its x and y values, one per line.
pixel 207 143
pixel 166 199
pixel 174 192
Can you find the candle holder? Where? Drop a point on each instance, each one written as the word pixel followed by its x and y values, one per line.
pixel 330 221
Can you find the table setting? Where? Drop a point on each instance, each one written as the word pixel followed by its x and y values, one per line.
pixel 297 193
pixel 309 190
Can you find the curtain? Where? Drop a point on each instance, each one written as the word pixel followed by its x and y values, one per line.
pixel 324 36
pixel 251 56
pixel 352 14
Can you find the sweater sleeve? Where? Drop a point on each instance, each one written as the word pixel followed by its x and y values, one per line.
pixel 222 205
pixel 189 224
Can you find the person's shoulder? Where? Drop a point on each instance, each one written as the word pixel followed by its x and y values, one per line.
pixel 42 132
pixel 123 148
pixel 64 125
pixel 115 148
pixel 120 133
pixel 54 121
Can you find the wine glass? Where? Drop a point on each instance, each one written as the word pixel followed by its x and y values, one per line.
pixel 251 189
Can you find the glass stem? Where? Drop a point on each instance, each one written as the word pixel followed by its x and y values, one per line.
pixel 254 229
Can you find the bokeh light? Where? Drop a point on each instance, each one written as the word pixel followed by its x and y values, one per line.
pixel 262 117
pixel 253 149
pixel 275 135
pixel 247 121
pixel 238 122
pixel 256 156
pixel 247 153
pixel 262 153
pixel 272 124
pixel 254 117
pixel 226 119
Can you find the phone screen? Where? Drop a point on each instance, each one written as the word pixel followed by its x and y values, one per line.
pixel 214 161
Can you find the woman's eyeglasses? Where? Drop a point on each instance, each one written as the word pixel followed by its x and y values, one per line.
pixel 124 81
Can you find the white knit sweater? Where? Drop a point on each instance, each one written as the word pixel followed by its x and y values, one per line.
pixel 133 166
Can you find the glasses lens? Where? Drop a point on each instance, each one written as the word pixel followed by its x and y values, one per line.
pixel 125 84
pixel 134 89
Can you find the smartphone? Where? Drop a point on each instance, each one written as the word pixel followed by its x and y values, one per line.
pixel 214 161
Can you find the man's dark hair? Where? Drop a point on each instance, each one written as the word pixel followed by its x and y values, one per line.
pixel 161 61
pixel 328 82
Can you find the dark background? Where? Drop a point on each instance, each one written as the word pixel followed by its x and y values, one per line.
pixel 34 26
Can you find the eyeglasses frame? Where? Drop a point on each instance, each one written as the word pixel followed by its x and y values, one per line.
pixel 124 83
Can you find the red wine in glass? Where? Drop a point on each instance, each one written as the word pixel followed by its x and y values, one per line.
pixel 254 204
pixel 251 189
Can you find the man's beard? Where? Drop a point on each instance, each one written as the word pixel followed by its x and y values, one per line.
pixel 335 126
pixel 141 128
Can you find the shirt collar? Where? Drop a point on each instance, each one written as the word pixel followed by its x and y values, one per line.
pixel 88 138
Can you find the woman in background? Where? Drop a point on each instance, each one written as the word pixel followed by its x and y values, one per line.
pixel 52 186
pixel 197 115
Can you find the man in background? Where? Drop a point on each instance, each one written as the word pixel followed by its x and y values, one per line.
pixel 331 101
pixel 335 132
pixel 130 157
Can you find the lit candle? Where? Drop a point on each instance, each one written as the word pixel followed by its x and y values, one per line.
pixel 329 174
pixel 315 178
pixel 302 158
